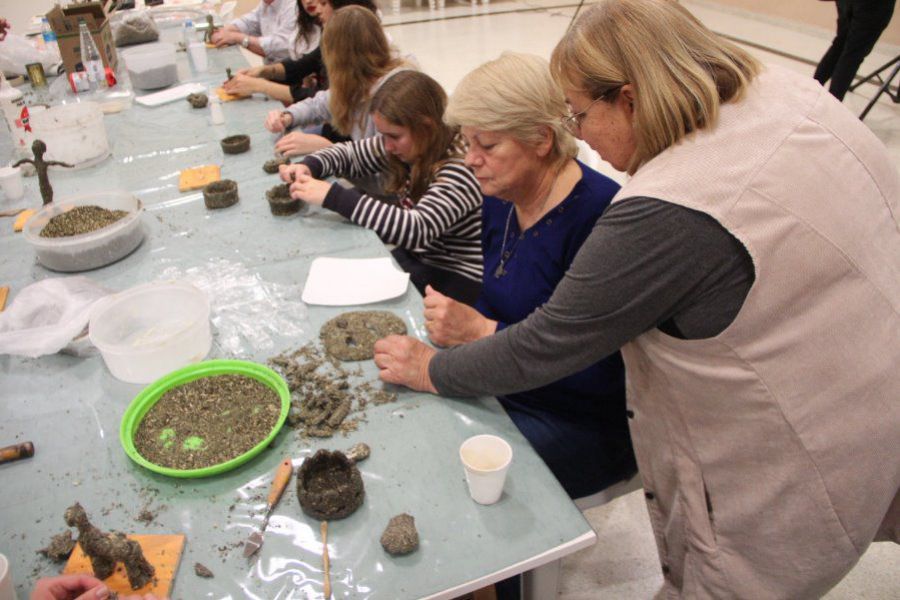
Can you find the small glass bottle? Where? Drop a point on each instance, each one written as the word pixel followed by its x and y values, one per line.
pixel 90 57
pixel 47 34
pixel 217 116
pixel 190 33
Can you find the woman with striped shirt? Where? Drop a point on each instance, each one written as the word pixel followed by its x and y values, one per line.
pixel 436 224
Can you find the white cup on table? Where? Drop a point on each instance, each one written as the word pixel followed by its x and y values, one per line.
pixel 11 183
pixel 197 52
pixel 7 590
pixel 486 459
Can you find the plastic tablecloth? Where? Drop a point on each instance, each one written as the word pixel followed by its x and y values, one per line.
pixel 254 266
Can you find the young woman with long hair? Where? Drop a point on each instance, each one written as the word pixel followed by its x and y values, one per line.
pixel 436 225
pixel 359 59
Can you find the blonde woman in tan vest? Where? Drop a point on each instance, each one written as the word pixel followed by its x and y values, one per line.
pixel 750 270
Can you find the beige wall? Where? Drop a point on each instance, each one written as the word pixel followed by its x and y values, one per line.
pixel 809 12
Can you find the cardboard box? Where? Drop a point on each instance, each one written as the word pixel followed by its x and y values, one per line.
pixel 64 22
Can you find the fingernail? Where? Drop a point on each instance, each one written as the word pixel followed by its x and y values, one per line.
pixel 101 592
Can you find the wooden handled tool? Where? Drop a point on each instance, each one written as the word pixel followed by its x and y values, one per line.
pixel 282 476
pixel 16 451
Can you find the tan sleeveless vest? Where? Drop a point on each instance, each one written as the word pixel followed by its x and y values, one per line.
pixel 770 453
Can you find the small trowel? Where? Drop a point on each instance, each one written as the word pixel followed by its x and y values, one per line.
pixel 282 476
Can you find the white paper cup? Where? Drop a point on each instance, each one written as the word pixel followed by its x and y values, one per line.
pixel 197 51
pixel 11 183
pixel 486 460
pixel 7 591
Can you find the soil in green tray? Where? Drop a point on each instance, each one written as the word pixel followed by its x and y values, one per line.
pixel 207 421
pixel 81 219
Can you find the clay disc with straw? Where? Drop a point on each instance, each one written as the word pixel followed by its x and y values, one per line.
pixel 329 486
pixel 352 335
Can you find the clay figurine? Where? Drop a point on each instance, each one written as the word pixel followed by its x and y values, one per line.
pixel 210 29
pixel 38 148
pixel 107 549
pixel 228 72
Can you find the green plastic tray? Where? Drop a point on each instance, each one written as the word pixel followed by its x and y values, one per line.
pixel 144 401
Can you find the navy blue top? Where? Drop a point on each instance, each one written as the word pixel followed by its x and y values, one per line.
pixel 577 424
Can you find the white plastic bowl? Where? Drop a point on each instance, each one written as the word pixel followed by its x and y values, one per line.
pixel 88 250
pixel 151 329
pixel 151 66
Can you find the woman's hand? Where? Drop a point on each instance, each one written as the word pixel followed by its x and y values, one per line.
pixel 309 189
pixel 404 360
pixel 450 323
pixel 297 142
pixel 256 71
pixel 289 173
pixel 243 85
pixel 278 121
pixel 76 587
pixel 226 37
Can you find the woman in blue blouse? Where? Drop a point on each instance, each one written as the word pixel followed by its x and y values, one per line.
pixel 539 206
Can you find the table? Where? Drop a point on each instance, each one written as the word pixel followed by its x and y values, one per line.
pixel 71 407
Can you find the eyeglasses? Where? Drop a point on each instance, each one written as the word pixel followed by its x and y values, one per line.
pixel 572 122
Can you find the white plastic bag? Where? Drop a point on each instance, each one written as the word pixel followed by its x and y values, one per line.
pixel 46 316
pixel 134 27
pixel 16 51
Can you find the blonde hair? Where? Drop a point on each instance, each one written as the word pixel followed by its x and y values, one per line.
pixel 513 94
pixel 680 71
pixel 414 100
pixel 356 54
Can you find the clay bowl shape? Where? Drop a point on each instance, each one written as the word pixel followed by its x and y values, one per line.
pixel 151 329
pixel 93 249
pixel 235 144
pixel 280 202
pixel 198 100
pixel 150 395
pixel 221 194
pixel 329 486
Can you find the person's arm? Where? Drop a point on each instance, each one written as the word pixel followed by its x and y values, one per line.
pixel 452 196
pixel 312 111
pixel 349 159
pixel 276 45
pixel 645 262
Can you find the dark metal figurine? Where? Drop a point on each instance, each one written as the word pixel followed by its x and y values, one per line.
pixel 38 148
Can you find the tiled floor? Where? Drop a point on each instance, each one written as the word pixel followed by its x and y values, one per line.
pixel 449 43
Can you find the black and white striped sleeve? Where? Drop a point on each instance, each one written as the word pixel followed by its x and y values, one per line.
pixel 349 159
pixel 453 197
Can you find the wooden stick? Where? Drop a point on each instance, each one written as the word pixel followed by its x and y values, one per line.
pixel 326 576
pixel 4 294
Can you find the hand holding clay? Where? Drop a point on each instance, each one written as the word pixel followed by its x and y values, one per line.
pixel 76 587
pixel 226 37
pixel 289 173
pixel 309 189
pixel 404 360
pixel 450 323
pixel 298 142
pixel 242 85
pixel 278 121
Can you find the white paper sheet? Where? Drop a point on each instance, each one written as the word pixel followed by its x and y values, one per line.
pixel 171 94
pixel 351 281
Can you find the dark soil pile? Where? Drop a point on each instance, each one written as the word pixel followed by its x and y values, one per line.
pixel 60 547
pixel 207 421
pixel 400 537
pixel 81 219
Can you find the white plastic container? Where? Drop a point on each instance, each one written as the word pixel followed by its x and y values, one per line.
pixel 151 329
pixel 74 133
pixel 88 250
pixel 151 66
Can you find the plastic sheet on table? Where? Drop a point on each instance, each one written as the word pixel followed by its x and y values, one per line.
pixel 248 312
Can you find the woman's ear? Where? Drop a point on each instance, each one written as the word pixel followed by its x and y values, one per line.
pixel 626 99
pixel 545 145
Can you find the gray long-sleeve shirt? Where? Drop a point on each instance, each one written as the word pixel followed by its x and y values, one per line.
pixel 647 263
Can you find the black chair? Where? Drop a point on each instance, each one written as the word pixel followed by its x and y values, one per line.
pixel 885 84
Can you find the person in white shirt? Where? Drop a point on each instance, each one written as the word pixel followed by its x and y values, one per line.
pixel 269 30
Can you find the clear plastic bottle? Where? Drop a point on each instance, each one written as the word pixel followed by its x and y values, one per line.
pixel 47 33
pixel 90 57
pixel 190 33
pixel 15 113
pixel 216 115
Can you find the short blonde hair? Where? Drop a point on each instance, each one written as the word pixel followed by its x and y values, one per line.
pixel 680 71
pixel 513 94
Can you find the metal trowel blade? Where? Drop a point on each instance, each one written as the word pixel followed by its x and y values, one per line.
pixel 252 544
